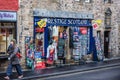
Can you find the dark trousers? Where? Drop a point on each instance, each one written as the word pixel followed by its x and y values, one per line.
pixel 18 69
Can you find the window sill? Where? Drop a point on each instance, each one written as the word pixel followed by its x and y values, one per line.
pixel 3 56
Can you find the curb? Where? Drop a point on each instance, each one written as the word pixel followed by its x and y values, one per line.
pixel 87 62
pixel 3 72
pixel 68 72
pixel 111 59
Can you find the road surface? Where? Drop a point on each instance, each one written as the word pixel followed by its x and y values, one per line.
pixel 109 73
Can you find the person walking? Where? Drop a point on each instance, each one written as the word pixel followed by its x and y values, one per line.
pixel 13 60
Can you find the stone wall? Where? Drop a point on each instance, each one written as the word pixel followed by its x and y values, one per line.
pixel 115 28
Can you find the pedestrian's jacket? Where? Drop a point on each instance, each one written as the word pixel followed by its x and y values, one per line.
pixel 12 56
pixel 10 49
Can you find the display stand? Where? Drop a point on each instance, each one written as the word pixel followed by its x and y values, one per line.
pixel 34 58
pixel 61 44
pixel 80 42
pixel 98 49
pixel 38 61
pixel 29 51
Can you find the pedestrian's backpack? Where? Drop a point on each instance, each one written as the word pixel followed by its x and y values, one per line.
pixel 18 54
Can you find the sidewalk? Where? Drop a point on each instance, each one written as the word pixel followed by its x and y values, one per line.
pixel 64 69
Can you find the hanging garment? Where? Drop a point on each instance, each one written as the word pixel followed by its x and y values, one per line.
pixel 39 36
pixel 75 38
pixel 51 51
pixel 76 34
pixel 55 44
pixel 55 31
pixel 61 35
pixel 76 30
pixel 60 52
pixel 50 32
pixel 65 35
pixel 51 56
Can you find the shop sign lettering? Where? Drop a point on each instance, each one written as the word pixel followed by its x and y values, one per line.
pixel 8 16
pixel 66 21
pixel 77 22
pixel 62 22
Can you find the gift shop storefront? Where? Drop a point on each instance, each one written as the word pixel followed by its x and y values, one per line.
pixel 62 39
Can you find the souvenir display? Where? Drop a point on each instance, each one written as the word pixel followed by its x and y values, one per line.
pixel 80 42
pixel 51 51
pixel 39 51
pixel 38 61
pixel 29 50
pixel 98 49
pixel 34 55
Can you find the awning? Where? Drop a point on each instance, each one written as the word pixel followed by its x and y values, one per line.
pixel 9 5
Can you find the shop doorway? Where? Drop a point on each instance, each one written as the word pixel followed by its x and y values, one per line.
pixel 59 37
pixel 6 34
pixel 106 44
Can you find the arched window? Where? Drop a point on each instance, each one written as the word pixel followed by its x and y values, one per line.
pixel 108 14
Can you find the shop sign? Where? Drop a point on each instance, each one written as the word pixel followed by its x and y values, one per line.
pixel 96 23
pixel 41 23
pixel 8 16
pixel 95 26
pixel 99 22
pixel 65 22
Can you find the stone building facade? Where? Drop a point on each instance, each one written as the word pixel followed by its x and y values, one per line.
pixel 96 7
